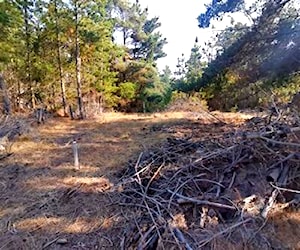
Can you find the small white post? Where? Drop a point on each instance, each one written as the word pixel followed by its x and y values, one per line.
pixel 75 153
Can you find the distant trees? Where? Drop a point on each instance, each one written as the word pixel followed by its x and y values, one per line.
pixel 59 53
pixel 245 65
pixel 189 72
pixel 53 53
pixel 254 62
pixel 137 71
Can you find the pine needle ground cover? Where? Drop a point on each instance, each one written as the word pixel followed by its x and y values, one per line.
pixel 168 180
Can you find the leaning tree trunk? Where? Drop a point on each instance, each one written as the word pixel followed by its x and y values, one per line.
pixel 4 96
pixel 58 55
pixel 78 63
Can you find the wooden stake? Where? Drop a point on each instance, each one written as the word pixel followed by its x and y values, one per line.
pixel 75 153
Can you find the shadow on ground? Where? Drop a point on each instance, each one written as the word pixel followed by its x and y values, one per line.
pixel 46 203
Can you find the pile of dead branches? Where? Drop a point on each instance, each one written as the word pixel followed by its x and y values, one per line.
pixel 10 128
pixel 216 193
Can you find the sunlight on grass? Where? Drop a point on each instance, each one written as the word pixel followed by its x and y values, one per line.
pixel 63 225
pixel 89 184
pixel 49 224
pixel 83 184
pixel 83 225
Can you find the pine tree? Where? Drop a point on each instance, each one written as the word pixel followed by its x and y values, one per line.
pixel 99 52
pixel 27 6
pixel 56 4
pixel 194 68
pixel 77 16
pixel 151 47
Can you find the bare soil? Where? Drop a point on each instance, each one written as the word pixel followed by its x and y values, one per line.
pixel 47 203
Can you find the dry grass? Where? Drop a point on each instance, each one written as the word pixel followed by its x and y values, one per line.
pixel 44 198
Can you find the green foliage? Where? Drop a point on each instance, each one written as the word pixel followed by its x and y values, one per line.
pixel 189 73
pixel 10 19
pixel 144 92
pixel 253 61
pixel 157 96
pixel 38 49
pixel 166 76
pixel 127 90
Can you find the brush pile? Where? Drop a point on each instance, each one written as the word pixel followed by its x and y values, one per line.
pixel 10 128
pixel 215 192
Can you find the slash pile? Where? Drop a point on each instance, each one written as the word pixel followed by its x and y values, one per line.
pixel 220 192
pixel 10 128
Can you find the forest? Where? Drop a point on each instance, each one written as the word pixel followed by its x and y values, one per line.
pixel 100 148
pixel 60 54
pixel 91 56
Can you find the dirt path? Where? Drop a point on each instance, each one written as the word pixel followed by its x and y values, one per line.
pixel 45 203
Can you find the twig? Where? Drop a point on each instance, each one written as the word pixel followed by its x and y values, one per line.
pixel 219 187
pixel 258 135
pixel 217 152
pixel 153 177
pixel 272 199
pixel 183 199
pixel 210 181
pixel 291 144
pixel 137 205
pixel 257 231
pixel 142 243
pixel 285 189
pixel 136 166
pixel 50 243
pixel 203 243
pixel 290 156
pixel 109 240
pixel 178 188
pixel 153 220
pixel 212 115
pixel 263 137
pixel 203 218
pixel 232 180
pixel 122 243
pixel 179 235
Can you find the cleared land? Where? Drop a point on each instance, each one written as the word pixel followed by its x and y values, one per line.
pixel 46 203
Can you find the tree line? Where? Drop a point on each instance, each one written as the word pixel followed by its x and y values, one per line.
pixel 245 65
pixel 68 54
pixel 101 55
pixel 253 62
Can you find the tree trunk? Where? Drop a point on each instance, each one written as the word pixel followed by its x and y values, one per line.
pixel 62 84
pixel 78 63
pixel 19 104
pixel 124 37
pixel 28 51
pixel 4 96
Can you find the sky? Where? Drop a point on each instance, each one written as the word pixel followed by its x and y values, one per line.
pixel 179 26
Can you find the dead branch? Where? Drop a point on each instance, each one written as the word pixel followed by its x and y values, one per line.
pixel 227 230
pixel 179 235
pixel 183 175
pixel 183 199
pixel 285 189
